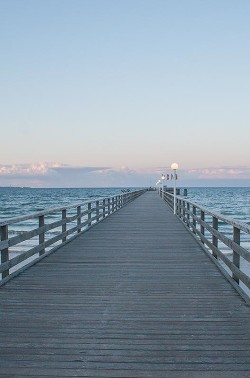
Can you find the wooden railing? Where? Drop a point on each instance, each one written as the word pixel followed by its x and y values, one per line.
pixel 226 240
pixel 38 234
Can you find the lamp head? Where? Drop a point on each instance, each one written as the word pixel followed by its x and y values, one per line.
pixel 174 166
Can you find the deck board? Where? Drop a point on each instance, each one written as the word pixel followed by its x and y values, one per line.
pixel 135 296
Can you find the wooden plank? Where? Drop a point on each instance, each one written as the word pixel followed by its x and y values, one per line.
pixel 135 296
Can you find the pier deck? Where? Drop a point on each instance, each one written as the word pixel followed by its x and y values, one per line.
pixel 135 296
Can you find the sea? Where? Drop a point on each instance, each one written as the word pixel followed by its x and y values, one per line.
pixel 14 201
pixel 233 202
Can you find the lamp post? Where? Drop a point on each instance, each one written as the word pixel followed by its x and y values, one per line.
pixel 162 180
pixel 174 167
pixel 157 185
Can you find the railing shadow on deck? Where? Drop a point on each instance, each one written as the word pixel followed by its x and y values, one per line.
pixel 22 243
pixel 224 239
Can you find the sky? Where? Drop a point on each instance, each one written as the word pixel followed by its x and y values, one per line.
pixel 112 92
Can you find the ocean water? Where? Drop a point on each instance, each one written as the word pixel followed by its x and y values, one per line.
pixel 232 202
pixel 16 202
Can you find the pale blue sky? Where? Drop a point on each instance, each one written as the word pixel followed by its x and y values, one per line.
pixel 120 89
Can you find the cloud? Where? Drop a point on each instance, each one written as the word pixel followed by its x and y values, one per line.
pixel 27 170
pixel 48 174
pixel 122 171
pixel 241 172
pixel 79 170
pixel 54 174
pixel 43 169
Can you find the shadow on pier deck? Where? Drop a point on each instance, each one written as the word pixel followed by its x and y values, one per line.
pixel 135 296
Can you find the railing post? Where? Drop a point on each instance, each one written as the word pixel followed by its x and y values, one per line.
pixel 78 219
pixel 104 208
pixel 183 211
pixel 214 238
pixel 108 206
pixel 89 214
pixel 42 234
pixel 178 208
pixel 172 202
pixel 64 225
pixel 97 211
pixel 194 220
pixel 202 227
pixel 5 251
pixel 113 204
pixel 188 215
pixel 236 256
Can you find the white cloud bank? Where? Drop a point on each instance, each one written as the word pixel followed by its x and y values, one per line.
pixel 55 174
pixel 223 172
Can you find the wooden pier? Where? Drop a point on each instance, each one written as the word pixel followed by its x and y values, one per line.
pixel 134 296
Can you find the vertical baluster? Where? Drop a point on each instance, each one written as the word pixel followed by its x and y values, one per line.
pixel 104 208
pixel 214 238
pixel 108 206
pixel 41 234
pixel 194 220
pixel 5 251
pixel 188 215
pixel 202 227
pixel 97 211
pixel 113 204
pixel 177 206
pixel 89 213
pixel 178 210
pixel 78 219
pixel 64 225
pixel 184 211
pixel 236 256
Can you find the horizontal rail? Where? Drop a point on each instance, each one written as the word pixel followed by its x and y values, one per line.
pixel 216 233
pixel 33 241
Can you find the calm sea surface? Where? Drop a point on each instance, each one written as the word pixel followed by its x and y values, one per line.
pixel 22 201
pixel 233 202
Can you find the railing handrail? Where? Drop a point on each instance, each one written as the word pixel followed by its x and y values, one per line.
pixel 52 210
pixel 234 222
pixel 209 235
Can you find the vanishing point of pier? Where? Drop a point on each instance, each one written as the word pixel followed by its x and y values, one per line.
pixel 134 296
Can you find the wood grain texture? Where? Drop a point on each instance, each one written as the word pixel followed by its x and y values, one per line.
pixel 135 296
